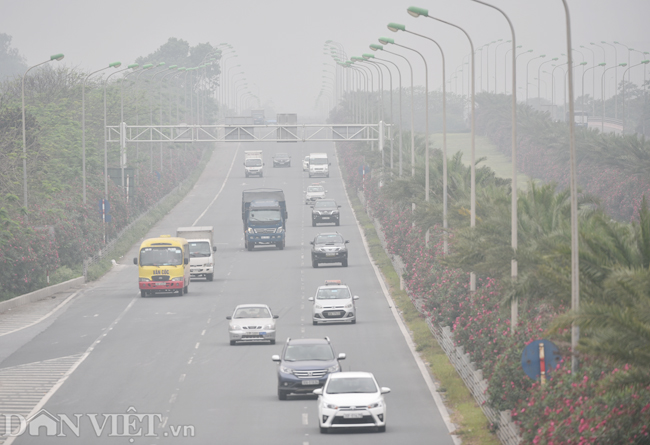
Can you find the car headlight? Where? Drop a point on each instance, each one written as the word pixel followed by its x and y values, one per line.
pixel 318 306
pixel 177 279
pixel 269 326
pixel 333 368
pixel 330 406
pixel 286 370
pixel 348 306
pixel 234 327
pixel 279 230
pixel 377 404
pixel 250 230
pixel 144 279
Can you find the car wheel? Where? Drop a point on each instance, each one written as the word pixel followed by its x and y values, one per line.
pixel 233 342
pixel 345 262
pixel 280 245
pixel 314 322
pixel 143 293
pixel 209 276
pixel 187 288
pixel 381 429
pixel 180 291
pixel 261 175
pixel 324 430
pixel 354 321
pixel 272 341
pixel 250 246
pixel 314 263
pixel 338 222
pixel 282 395
pixel 313 223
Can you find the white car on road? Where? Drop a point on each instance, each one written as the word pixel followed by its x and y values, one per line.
pixel 252 323
pixel 334 303
pixel 351 400
pixel 314 192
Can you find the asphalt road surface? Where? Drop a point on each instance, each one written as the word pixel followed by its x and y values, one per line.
pixel 112 367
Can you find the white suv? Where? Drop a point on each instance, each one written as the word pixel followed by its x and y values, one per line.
pixel 334 303
pixel 314 192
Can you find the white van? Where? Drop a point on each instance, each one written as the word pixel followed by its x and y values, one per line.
pixel 319 165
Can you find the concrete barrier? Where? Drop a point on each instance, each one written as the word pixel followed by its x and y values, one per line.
pixel 40 294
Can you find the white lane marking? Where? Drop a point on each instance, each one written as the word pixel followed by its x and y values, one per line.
pixel 189 362
pixel 222 186
pixel 203 333
pixel 72 369
pixel 182 378
pixel 409 341
pixel 44 316
pixel 209 320
pixel 305 419
pixel 172 399
pixel 197 345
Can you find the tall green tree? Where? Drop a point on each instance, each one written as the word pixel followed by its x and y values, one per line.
pixel 11 62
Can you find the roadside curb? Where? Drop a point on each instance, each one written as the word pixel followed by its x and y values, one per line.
pixel 40 294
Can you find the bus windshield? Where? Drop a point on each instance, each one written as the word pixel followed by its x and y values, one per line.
pixel 161 256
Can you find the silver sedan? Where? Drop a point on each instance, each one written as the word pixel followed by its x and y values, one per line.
pixel 252 323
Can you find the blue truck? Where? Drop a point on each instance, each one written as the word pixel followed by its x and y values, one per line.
pixel 264 213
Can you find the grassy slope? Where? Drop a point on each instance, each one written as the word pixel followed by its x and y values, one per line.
pixel 496 160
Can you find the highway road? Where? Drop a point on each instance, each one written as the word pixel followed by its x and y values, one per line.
pixel 161 370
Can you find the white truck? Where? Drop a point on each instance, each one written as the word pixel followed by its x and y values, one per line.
pixel 202 250
pixel 253 163
pixel 319 165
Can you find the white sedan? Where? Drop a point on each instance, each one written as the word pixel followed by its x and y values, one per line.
pixel 351 400
pixel 252 323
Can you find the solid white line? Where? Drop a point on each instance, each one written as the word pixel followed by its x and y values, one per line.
pixel 222 186
pixel 72 369
pixel 409 341
pixel 46 315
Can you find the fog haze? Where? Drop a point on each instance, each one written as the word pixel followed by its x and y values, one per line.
pixel 280 43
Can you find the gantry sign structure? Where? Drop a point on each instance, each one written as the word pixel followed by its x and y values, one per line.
pixel 248 133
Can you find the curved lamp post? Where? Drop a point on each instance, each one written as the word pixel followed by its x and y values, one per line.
pixel 376 47
pixel 602 82
pixel 593 99
pixel 539 76
pixel 56 57
pixel 643 62
pixel 83 125
pixel 417 12
pixel 390 80
pixel 527 65
pixel 444 136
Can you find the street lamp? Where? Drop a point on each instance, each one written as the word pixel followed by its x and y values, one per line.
pixel 593 99
pixel 390 80
pixel 444 138
pixel 496 50
pixel 122 128
pixel 56 57
pixel 602 82
pixel 527 65
pixel 643 62
pixel 417 12
pixel 83 125
pixel 615 79
pixel 376 47
pixel 539 76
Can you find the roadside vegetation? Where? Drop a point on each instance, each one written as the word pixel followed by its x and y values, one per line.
pixel 58 231
pixel 608 400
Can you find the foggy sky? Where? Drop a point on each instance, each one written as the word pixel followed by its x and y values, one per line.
pixel 280 42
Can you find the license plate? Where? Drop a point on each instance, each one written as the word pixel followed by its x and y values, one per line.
pixel 352 415
pixel 253 334
pixel 336 313
pixel 161 284
pixel 330 254
pixel 325 217
pixel 310 382
pixel 265 237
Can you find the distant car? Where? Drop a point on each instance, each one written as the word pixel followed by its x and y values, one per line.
pixel 314 192
pixel 351 400
pixel 334 303
pixel 325 211
pixel 304 365
pixel 252 323
pixel 305 164
pixel 281 160
pixel 329 248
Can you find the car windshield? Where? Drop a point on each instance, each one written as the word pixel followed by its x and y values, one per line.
pixel 253 162
pixel 308 352
pixel 161 256
pixel 327 239
pixel 265 216
pixel 252 312
pixel 328 293
pixel 314 189
pixel 324 204
pixel 318 161
pixel 281 155
pixel 199 249
pixel 351 385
